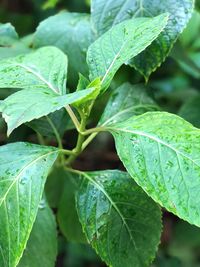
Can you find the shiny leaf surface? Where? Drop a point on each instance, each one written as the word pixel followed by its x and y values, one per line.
pixel 106 14
pixel 120 221
pixel 24 168
pixel 161 152
pixel 121 43
pixel 41 249
pixel 126 101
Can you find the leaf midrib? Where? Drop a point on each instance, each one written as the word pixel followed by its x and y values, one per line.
pixel 15 179
pixel 38 76
pixel 158 140
pixel 117 210
pixel 126 111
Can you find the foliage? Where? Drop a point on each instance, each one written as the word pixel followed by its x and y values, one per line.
pixel 80 75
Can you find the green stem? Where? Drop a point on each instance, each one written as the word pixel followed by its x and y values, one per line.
pixel 93 130
pixel 89 140
pixel 41 139
pixel 59 141
pixel 80 140
pixel 73 117
pixel 67 152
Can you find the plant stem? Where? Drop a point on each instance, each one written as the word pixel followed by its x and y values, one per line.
pixel 73 117
pixel 80 140
pixel 59 141
pixel 92 130
pixel 67 152
pixel 41 139
pixel 89 140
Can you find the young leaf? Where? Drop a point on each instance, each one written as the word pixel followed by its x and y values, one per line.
pixel 67 216
pixel 126 101
pixel 85 106
pixel 24 168
pixel 161 152
pixel 45 68
pixel 71 32
pixel 120 221
pixel 16 110
pixel 106 14
pixel 121 43
pixel 83 82
pixel 41 249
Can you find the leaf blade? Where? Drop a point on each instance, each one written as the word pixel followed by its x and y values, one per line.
pixel 72 33
pixel 46 67
pixel 20 193
pixel 122 42
pixel 162 160
pixel 16 110
pixel 43 236
pixel 126 101
pixel 107 14
pixel 104 216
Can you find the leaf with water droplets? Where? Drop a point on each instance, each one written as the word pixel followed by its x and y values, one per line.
pixel 106 14
pixel 44 68
pixel 120 221
pixel 16 110
pixel 126 101
pixel 41 249
pixel 161 151
pixel 24 168
pixel 121 43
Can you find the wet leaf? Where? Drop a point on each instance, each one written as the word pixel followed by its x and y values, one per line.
pixel 41 249
pixel 161 152
pixel 120 221
pixel 24 168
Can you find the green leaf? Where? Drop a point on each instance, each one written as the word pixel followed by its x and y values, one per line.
pixel 161 152
pixel 126 101
pixel 85 106
pixel 55 185
pixel 121 43
pixel 120 221
pixel 45 68
pixel 16 110
pixel 58 120
pixel 83 82
pixel 67 216
pixel 24 168
pixel 106 14
pixel 10 45
pixel 71 32
pixel 41 249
